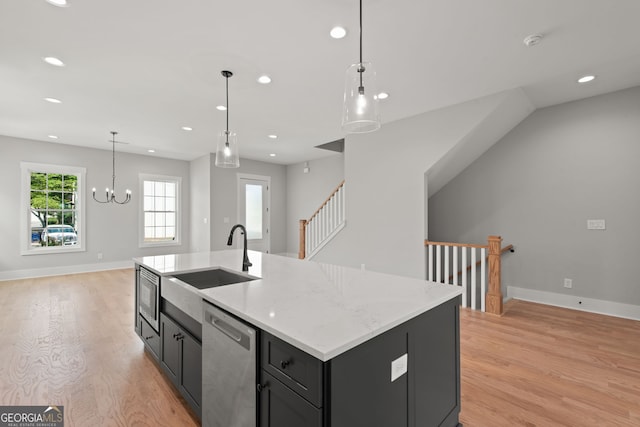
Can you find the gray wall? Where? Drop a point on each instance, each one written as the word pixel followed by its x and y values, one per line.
pixel 200 220
pixel 110 229
pixel 539 185
pixel 224 201
pixel 307 191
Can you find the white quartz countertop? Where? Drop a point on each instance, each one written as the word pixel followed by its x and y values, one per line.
pixel 322 309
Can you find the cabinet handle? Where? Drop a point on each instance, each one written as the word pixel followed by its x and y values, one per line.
pixel 175 336
pixel 284 363
pixel 148 338
pixel 178 336
pixel 262 387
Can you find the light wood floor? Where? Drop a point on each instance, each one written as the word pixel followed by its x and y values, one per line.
pixel 546 366
pixel 69 340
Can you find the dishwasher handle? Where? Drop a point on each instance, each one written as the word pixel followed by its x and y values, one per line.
pixel 242 338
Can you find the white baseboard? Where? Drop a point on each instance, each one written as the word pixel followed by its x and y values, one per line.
pixel 610 308
pixel 58 271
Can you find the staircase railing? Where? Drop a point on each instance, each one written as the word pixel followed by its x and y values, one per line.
pixel 324 224
pixel 449 263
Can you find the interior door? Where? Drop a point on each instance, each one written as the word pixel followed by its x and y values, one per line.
pixel 253 210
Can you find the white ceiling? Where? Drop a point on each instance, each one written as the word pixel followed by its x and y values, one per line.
pixel 145 68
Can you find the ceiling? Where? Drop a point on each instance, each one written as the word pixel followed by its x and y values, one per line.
pixel 146 68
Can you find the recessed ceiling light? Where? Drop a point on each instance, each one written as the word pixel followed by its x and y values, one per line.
pixel 383 95
pixel 338 32
pixel 151 151
pixel 586 79
pixel 221 108
pixel 272 155
pixel 264 79
pixel 53 100
pixel 59 3
pixel 52 60
pixel 187 128
pixel 52 136
pixel 272 136
pixel 532 40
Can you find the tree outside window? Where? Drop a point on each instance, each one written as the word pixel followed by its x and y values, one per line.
pixel 54 207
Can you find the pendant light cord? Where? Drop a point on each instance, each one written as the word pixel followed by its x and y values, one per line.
pixel 361 33
pixel 361 67
pixel 227 130
pixel 113 160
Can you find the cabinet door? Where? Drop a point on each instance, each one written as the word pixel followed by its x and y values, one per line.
pixel 363 391
pixel 136 309
pixel 279 406
pixel 191 380
pixel 170 349
pixel 150 338
pixel 435 363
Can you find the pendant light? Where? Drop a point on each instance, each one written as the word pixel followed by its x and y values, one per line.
pixel 360 111
pixel 111 197
pixel 227 155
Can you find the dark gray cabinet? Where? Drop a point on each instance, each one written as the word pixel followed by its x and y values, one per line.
pixel 150 338
pixel 181 360
pixel 358 388
pixel 291 385
pixel 280 406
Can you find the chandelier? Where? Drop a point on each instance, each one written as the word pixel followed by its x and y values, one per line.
pixel 110 193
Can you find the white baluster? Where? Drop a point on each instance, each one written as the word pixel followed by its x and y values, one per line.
pixel 483 279
pixel 463 268
pixel 446 264
pixel 455 266
pixel 473 279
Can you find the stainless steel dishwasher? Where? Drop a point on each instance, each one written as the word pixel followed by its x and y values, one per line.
pixel 229 396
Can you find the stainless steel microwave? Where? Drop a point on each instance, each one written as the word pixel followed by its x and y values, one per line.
pixel 149 298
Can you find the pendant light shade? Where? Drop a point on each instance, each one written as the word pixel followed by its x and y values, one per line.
pixel 360 110
pixel 227 150
pixel 227 154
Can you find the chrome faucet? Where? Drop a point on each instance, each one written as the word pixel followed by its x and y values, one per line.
pixel 245 260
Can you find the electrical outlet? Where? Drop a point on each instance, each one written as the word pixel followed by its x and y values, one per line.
pixel 99 255
pixel 596 224
pixel 568 283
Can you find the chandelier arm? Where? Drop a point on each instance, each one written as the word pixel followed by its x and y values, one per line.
pixel 99 201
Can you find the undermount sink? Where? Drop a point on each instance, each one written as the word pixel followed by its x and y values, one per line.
pixel 212 278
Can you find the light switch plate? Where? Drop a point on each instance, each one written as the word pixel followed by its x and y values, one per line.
pixel 595 224
pixel 399 367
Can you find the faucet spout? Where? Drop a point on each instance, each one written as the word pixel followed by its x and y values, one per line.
pixel 245 259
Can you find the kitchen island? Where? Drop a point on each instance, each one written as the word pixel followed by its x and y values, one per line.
pixel 361 348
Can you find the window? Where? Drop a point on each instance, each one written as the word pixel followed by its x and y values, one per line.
pixel 52 208
pixel 160 211
pixel 253 203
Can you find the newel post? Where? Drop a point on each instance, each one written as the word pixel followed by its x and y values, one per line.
pixel 493 299
pixel 301 249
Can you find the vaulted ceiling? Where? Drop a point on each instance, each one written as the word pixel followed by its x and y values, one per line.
pixel 147 68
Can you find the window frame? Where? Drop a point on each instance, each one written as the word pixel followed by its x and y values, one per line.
pixel 177 180
pixel 26 169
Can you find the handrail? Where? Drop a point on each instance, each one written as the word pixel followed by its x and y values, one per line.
pixel 327 200
pixel 461 245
